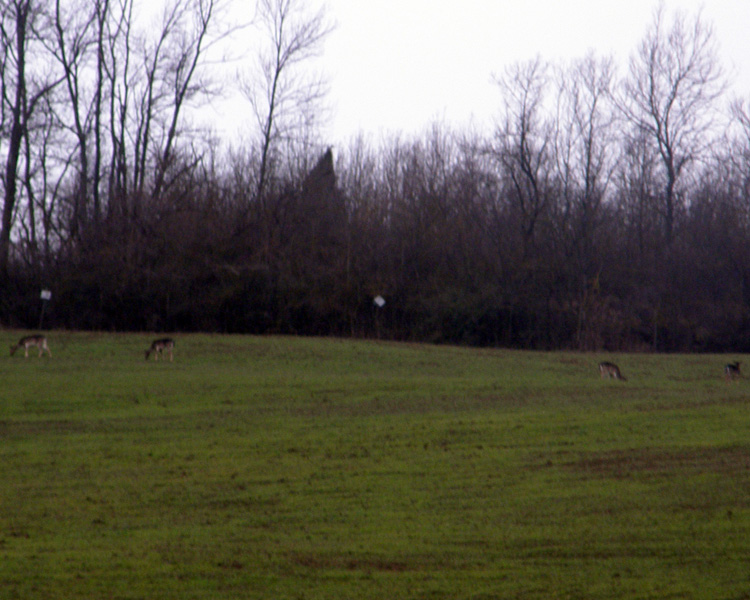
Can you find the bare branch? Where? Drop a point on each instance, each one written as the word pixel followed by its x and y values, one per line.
pixel 281 96
pixel 671 93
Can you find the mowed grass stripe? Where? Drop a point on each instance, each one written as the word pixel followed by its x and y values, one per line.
pixel 278 467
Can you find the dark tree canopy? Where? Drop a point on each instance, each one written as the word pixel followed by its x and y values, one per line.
pixel 602 212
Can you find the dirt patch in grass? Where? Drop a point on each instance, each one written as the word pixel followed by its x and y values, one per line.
pixel 350 563
pixel 42 427
pixel 621 464
pixel 666 406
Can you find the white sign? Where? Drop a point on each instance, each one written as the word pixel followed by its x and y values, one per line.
pixel 46 295
pixel 379 301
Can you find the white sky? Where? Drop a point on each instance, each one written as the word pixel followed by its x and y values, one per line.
pixel 399 65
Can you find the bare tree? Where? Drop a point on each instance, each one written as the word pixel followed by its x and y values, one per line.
pixel 637 191
pixel 741 116
pixel 523 142
pixel 14 46
pixel 74 39
pixel 670 95
pixel 41 177
pixel 585 162
pixel 20 97
pixel 286 101
pixel 189 48
pixel 115 56
pixel 735 158
pixel 584 137
pixel 102 30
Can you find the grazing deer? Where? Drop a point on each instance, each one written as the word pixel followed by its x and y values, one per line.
pixel 610 370
pixel 31 340
pixel 159 346
pixel 732 371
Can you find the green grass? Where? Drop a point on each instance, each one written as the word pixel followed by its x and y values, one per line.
pixel 269 467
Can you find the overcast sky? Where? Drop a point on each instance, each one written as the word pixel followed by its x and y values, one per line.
pixel 398 65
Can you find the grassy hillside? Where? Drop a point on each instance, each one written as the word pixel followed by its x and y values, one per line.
pixel 305 468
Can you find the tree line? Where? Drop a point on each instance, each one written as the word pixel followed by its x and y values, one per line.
pixel 605 210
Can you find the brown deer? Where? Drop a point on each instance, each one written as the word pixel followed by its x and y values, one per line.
pixel 159 346
pixel 611 371
pixel 732 371
pixel 31 340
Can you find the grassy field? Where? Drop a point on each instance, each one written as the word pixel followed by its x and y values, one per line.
pixel 275 468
